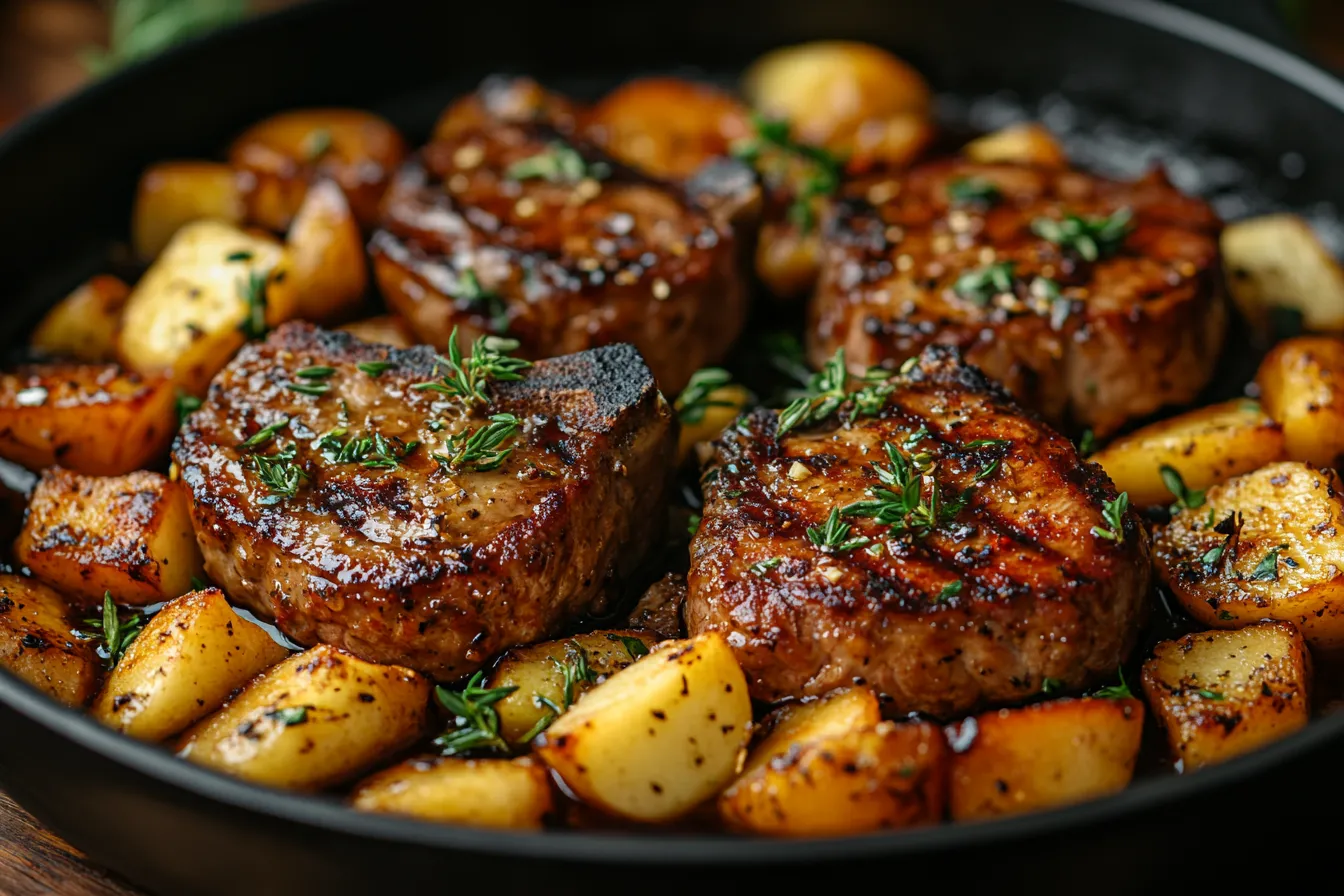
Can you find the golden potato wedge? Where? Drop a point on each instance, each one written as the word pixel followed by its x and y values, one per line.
pixel 189 658
pixel 668 127
pixel 1266 546
pixel 885 776
pixel 83 325
pixel 658 738
pixel 828 90
pixel 1019 144
pixel 129 535
pixel 706 407
pixel 1277 261
pixel 284 153
pixel 787 259
pixel 1205 446
pixel 1221 694
pixel 387 329
pixel 488 793
pixel 317 719
pixel 1302 387
pixel 38 644
pixel 550 676
pixel 328 272
pixel 91 418
pixel 211 288
pixel 1049 754
pixel 172 194
pixel 840 712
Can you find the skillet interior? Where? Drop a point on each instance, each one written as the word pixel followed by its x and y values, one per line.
pixel 70 172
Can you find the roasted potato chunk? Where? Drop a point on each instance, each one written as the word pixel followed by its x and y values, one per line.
pixel 83 325
pixel 840 712
pixel 317 719
pixel 1265 546
pixel 668 127
pixel 92 418
pixel 387 329
pixel 1221 694
pixel 489 793
pixel 128 535
pixel 1302 387
pixel 658 738
pixel 703 421
pixel 1019 144
pixel 1049 754
pixel 1204 446
pixel 195 306
pixel 787 259
pixel 1277 262
pixel 38 645
pixel 829 91
pixel 189 658
pixel 172 194
pixel 328 272
pixel 549 677
pixel 286 152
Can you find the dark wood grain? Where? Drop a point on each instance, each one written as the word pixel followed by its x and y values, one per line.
pixel 35 862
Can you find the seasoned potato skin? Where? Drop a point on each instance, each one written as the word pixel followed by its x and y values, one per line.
pixel 1277 261
pixel 511 794
pixel 658 738
pixel 1206 446
pixel 38 645
pixel 1302 386
pixel 284 153
pixel 128 535
pixel 1220 694
pixel 353 714
pixel 191 656
pixel 537 671
pixel 172 194
pixel 83 325
pixel 328 273
pixel 96 419
pixel 1291 507
pixel 1048 754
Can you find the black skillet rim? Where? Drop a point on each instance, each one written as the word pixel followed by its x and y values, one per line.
pixel 578 846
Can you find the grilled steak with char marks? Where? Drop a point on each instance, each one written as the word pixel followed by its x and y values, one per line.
pixel 945 608
pixel 1091 331
pixel 508 224
pixel 384 551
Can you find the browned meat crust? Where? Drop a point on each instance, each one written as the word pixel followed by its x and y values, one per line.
pixel 412 564
pixel 514 225
pixel 1012 590
pixel 1130 333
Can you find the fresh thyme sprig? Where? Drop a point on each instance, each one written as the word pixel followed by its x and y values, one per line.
pixel 278 473
pixel 825 393
pixel 480 449
pixel 265 434
pixel 973 191
pixel 114 634
pixel 698 396
pixel 252 290
pixel 468 380
pixel 1186 498
pixel 376 452
pixel 1113 512
pixel 633 646
pixel 1119 691
pixel 475 721
pixel 982 284
pixel 574 671
pixel 1090 238
pixel 901 500
pixel 558 163
pixel 821 169
pixel 832 536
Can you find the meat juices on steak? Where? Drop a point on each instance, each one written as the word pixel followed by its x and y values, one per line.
pixel 514 225
pixel 979 608
pixel 408 562
pixel 917 260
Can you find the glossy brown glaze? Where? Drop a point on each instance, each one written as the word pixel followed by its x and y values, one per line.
pixel 414 565
pixel 1132 332
pixel 1040 595
pixel 596 255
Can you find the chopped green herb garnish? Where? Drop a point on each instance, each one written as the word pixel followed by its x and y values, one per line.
pixel 309 388
pixel 762 567
pixel 186 404
pixel 480 450
pixel 252 290
pixel 949 591
pixel 693 525
pixel 1213 554
pixel 1119 691
pixel 468 380
pixel 317 144
pixel 982 284
pixel 988 443
pixel 901 502
pixel 1087 445
pixel 113 633
pixel 315 373
pixel 289 715
pixel 265 434
pixel 278 473
pixel 870 399
pixel 825 394
pixel 475 721
pixel 1113 512
pixel 1090 238
pixel 1186 498
pixel 832 536
pixel 973 191
pixel 559 163
pixel 821 170
pixel 1225 616
pixel 633 646
pixel 697 397
pixel 374 368
pixel 1051 686
pixel 1267 570
pixel 240 255
pixel 482 300
pixel 574 671
pixel 1210 695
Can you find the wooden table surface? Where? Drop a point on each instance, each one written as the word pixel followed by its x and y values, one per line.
pixel 35 862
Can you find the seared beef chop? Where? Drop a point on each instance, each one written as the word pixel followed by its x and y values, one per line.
pixel 975 567
pixel 364 540
pixel 506 225
pixel 1092 320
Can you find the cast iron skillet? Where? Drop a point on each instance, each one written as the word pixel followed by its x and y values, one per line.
pixel 67 177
